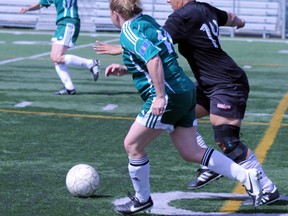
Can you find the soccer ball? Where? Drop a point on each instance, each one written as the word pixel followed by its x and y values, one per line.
pixel 82 180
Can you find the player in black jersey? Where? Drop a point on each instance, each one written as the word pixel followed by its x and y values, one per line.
pixel 222 86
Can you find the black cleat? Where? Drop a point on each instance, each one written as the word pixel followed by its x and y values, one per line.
pixel 134 206
pixel 205 176
pixel 95 69
pixel 65 92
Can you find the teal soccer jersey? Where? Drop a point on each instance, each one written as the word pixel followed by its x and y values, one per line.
pixel 142 38
pixel 67 10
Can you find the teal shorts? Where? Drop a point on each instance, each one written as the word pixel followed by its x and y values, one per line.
pixel 179 111
pixel 66 34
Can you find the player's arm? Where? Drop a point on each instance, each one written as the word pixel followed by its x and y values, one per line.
pixel 31 8
pixel 105 48
pixel 156 72
pixel 234 21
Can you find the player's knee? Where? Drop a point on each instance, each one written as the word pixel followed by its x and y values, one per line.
pixel 132 149
pixel 227 137
pixel 57 59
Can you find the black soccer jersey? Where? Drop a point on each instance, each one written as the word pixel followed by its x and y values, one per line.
pixel 195 27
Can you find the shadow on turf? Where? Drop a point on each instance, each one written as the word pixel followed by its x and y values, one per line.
pixel 96 197
pixel 107 93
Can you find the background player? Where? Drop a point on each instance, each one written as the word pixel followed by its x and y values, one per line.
pixel 65 36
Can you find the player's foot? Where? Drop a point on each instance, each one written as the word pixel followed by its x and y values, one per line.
pixel 65 91
pixel 134 206
pixel 267 198
pixel 95 69
pixel 205 176
pixel 253 186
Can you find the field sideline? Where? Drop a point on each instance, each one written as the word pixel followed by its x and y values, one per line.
pixel 43 135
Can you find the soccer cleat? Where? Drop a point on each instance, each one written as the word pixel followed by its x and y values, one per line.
pixel 253 186
pixel 267 198
pixel 205 176
pixel 134 206
pixel 65 91
pixel 95 69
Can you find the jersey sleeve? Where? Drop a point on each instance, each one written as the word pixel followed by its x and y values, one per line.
pixel 175 26
pixel 136 43
pixel 222 16
pixel 45 3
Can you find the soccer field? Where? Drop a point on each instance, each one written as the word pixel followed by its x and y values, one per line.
pixel 42 135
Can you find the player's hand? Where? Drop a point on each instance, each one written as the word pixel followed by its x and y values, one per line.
pixel 105 48
pixel 116 70
pixel 242 24
pixel 158 106
pixel 23 10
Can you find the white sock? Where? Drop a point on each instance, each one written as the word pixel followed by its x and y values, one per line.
pixel 200 141
pixel 139 170
pixel 202 144
pixel 78 61
pixel 219 163
pixel 252 162
pixel 64 75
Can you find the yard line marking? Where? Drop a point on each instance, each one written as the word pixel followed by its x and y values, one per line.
pixel 109 117
pixel 261 150
pixel 67 115
pixel 262 114
pixel 23 104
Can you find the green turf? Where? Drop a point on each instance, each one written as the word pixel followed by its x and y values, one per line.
pixel 41 142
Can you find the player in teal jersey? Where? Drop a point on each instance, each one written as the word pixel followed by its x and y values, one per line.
pixel 169 105
pixel 65 36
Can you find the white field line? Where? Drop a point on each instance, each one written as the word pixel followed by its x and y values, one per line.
pixel 262 115
pixel 48 53
pixel 162 203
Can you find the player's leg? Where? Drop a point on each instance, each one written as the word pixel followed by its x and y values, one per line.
pixel 144 130
pixel 182 111
pixel 227 137
pixel 231 101
pixel 226 122
pixel 135 142
pixel 204 176
pixel 61 41
pixel 69 39
pixel 57 53
pixel 185 141
pixel 92 64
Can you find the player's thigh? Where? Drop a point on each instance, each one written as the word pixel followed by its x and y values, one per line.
pixel 220 120
pixel 138 137
pixel 185 141
pixel 57 52
pixel 228 104
pixel 201 111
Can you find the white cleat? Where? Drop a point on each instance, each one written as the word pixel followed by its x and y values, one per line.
pixel 253 186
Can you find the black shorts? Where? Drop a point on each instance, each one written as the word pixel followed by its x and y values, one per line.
pixel 226 100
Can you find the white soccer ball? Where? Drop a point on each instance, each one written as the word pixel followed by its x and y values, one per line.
pixel 82 180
